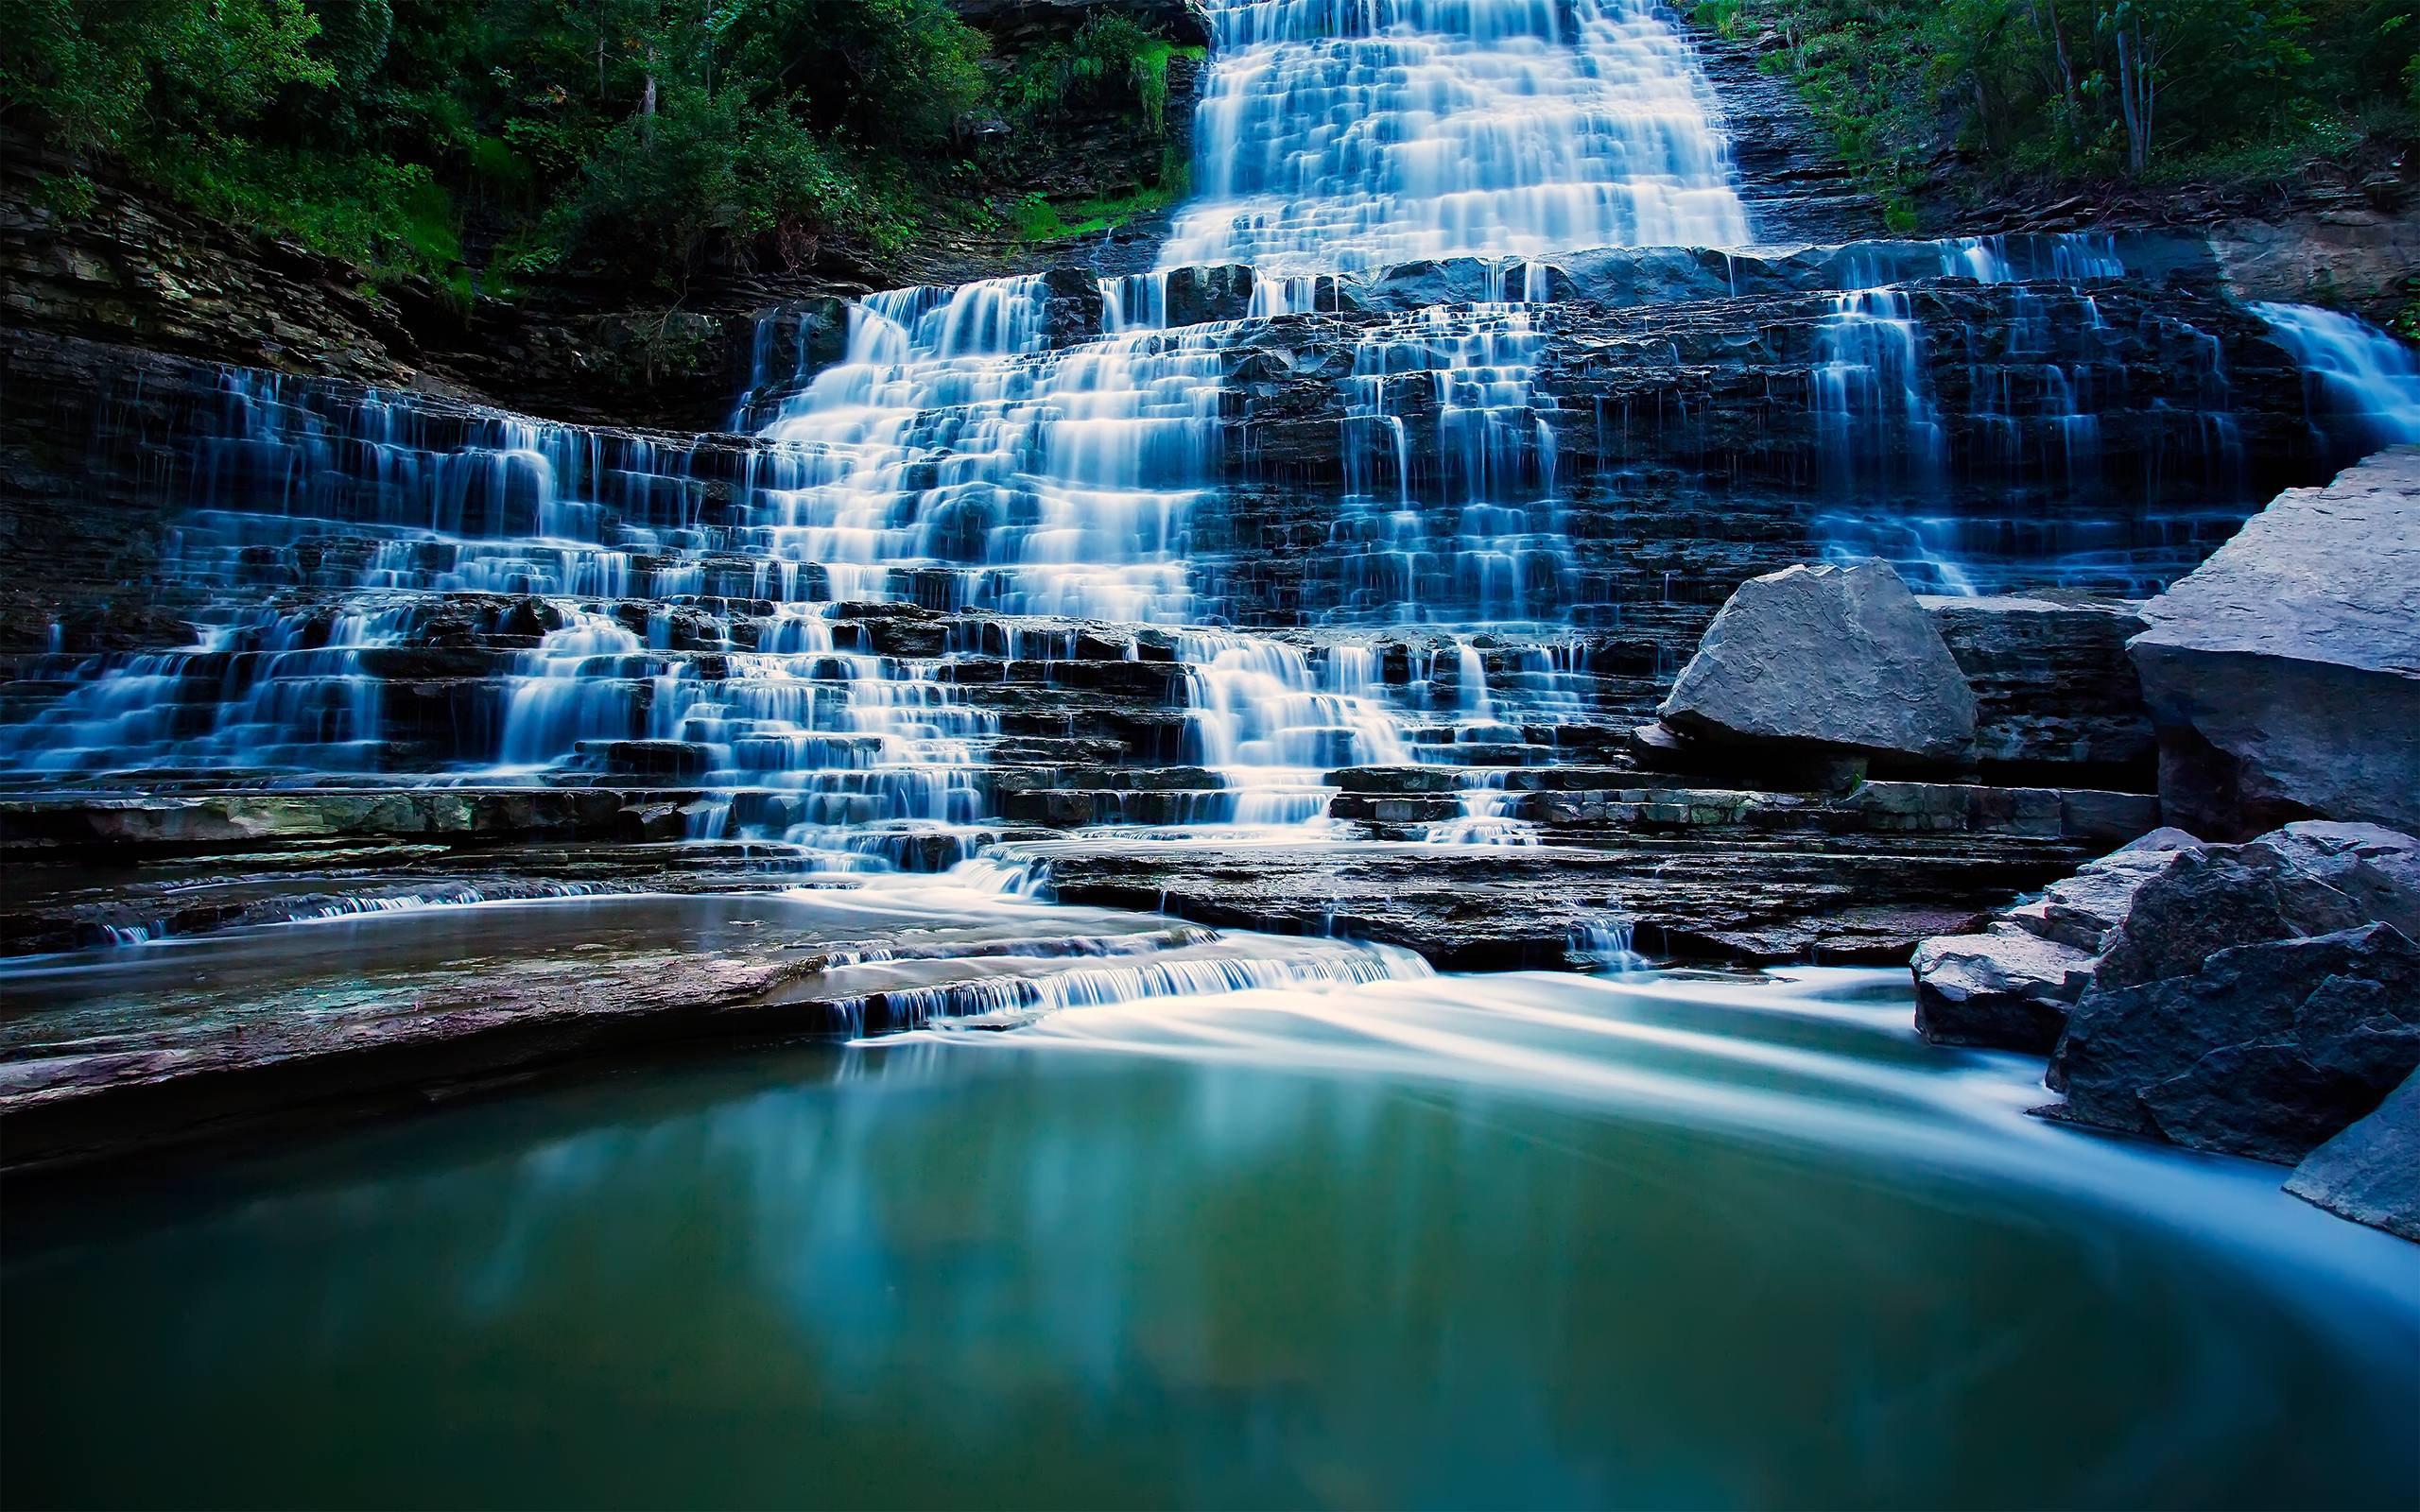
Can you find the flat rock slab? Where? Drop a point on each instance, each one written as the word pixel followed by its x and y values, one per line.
pixel 1847 898
pixel 2005 987
pixel 1840 657
pixel 121 1050
pixel 2284 672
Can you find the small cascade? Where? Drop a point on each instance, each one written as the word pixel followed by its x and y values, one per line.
pixel 1487 817
pixel 267 689
pixel 1272 724
pixel 2356 376
pixel 954 458
pixel 1879 430
pixel 1472 535
pixel 1604 943
pixel 580 684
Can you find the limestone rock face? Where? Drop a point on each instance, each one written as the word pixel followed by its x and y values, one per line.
pixel 2267 1050
pixel 2284 672
pixel 2371 1172
pixel 1836 656
pixel 2055 689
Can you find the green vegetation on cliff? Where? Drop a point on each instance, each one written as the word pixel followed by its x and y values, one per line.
pixel 2244 92
pixel 504 140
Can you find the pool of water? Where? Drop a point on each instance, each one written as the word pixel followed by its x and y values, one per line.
pixel 1467 1241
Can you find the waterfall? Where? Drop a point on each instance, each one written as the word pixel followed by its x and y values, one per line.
pixel 1056 481
pixel 1343 134
pixel 2353 372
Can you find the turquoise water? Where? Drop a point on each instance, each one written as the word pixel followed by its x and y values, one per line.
pixel 1508 1241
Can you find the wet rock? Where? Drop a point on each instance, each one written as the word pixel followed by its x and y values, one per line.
pixel 2053 686
pixel 2005 987
pixel 1839 657
pixel 1740 899
pixel 1073 309
pixel 2371 1172
pixel 2086 911
pixel 2377 869
pixel 2266 1050
pixel 2195 906
pixel 2284 672
pixel 1199 295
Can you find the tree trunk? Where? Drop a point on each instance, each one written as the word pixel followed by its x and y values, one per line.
pixel 646 101
pixel 2067 91
pixel 2130 101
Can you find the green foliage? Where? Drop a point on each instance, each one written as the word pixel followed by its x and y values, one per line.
pixel 1108 59
pixel 1037 219
pixel 2243 90
pixel 105 71
pixel 530 137
pixel 708 170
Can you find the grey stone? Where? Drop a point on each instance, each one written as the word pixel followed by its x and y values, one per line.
pixel 2371 1172
pixel 2087 910
pixel 2005 987
pixel 2193 906
pixel 2265 1050
pixel 2378 869
pixel 1833 656
pixel 2284 672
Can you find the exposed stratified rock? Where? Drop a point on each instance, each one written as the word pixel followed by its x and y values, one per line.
pixel 2371 1172
pixel 1833 656
pixel 2284 672
pixel 2346 257
pixel 2266 1051
pixel 2011 986
pixel 2052 683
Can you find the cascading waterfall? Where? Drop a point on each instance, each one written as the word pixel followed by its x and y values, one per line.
pixel 394 585
pixel 2355 371
pixel 1336 135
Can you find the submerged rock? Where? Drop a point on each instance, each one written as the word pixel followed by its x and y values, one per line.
pixel 2371 1172
pixel 1840 657
pixel 2284 672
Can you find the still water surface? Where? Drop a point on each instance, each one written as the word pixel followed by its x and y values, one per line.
pixel 1518 1241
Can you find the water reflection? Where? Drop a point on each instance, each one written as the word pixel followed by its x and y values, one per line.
pixel 1528 1241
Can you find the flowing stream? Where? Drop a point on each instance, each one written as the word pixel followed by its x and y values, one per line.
pixel 1530 1241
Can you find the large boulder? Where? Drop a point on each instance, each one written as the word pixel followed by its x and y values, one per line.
pixel 1838 657
pixel 2266 1050
pixel 2371 1172
pixel 2282 674
pixel 2308 878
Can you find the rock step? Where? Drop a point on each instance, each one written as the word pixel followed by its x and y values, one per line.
pixel 1843 899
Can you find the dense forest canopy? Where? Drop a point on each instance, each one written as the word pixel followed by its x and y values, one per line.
pixel 641 137
pixel 490 142
pixel 2246 91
